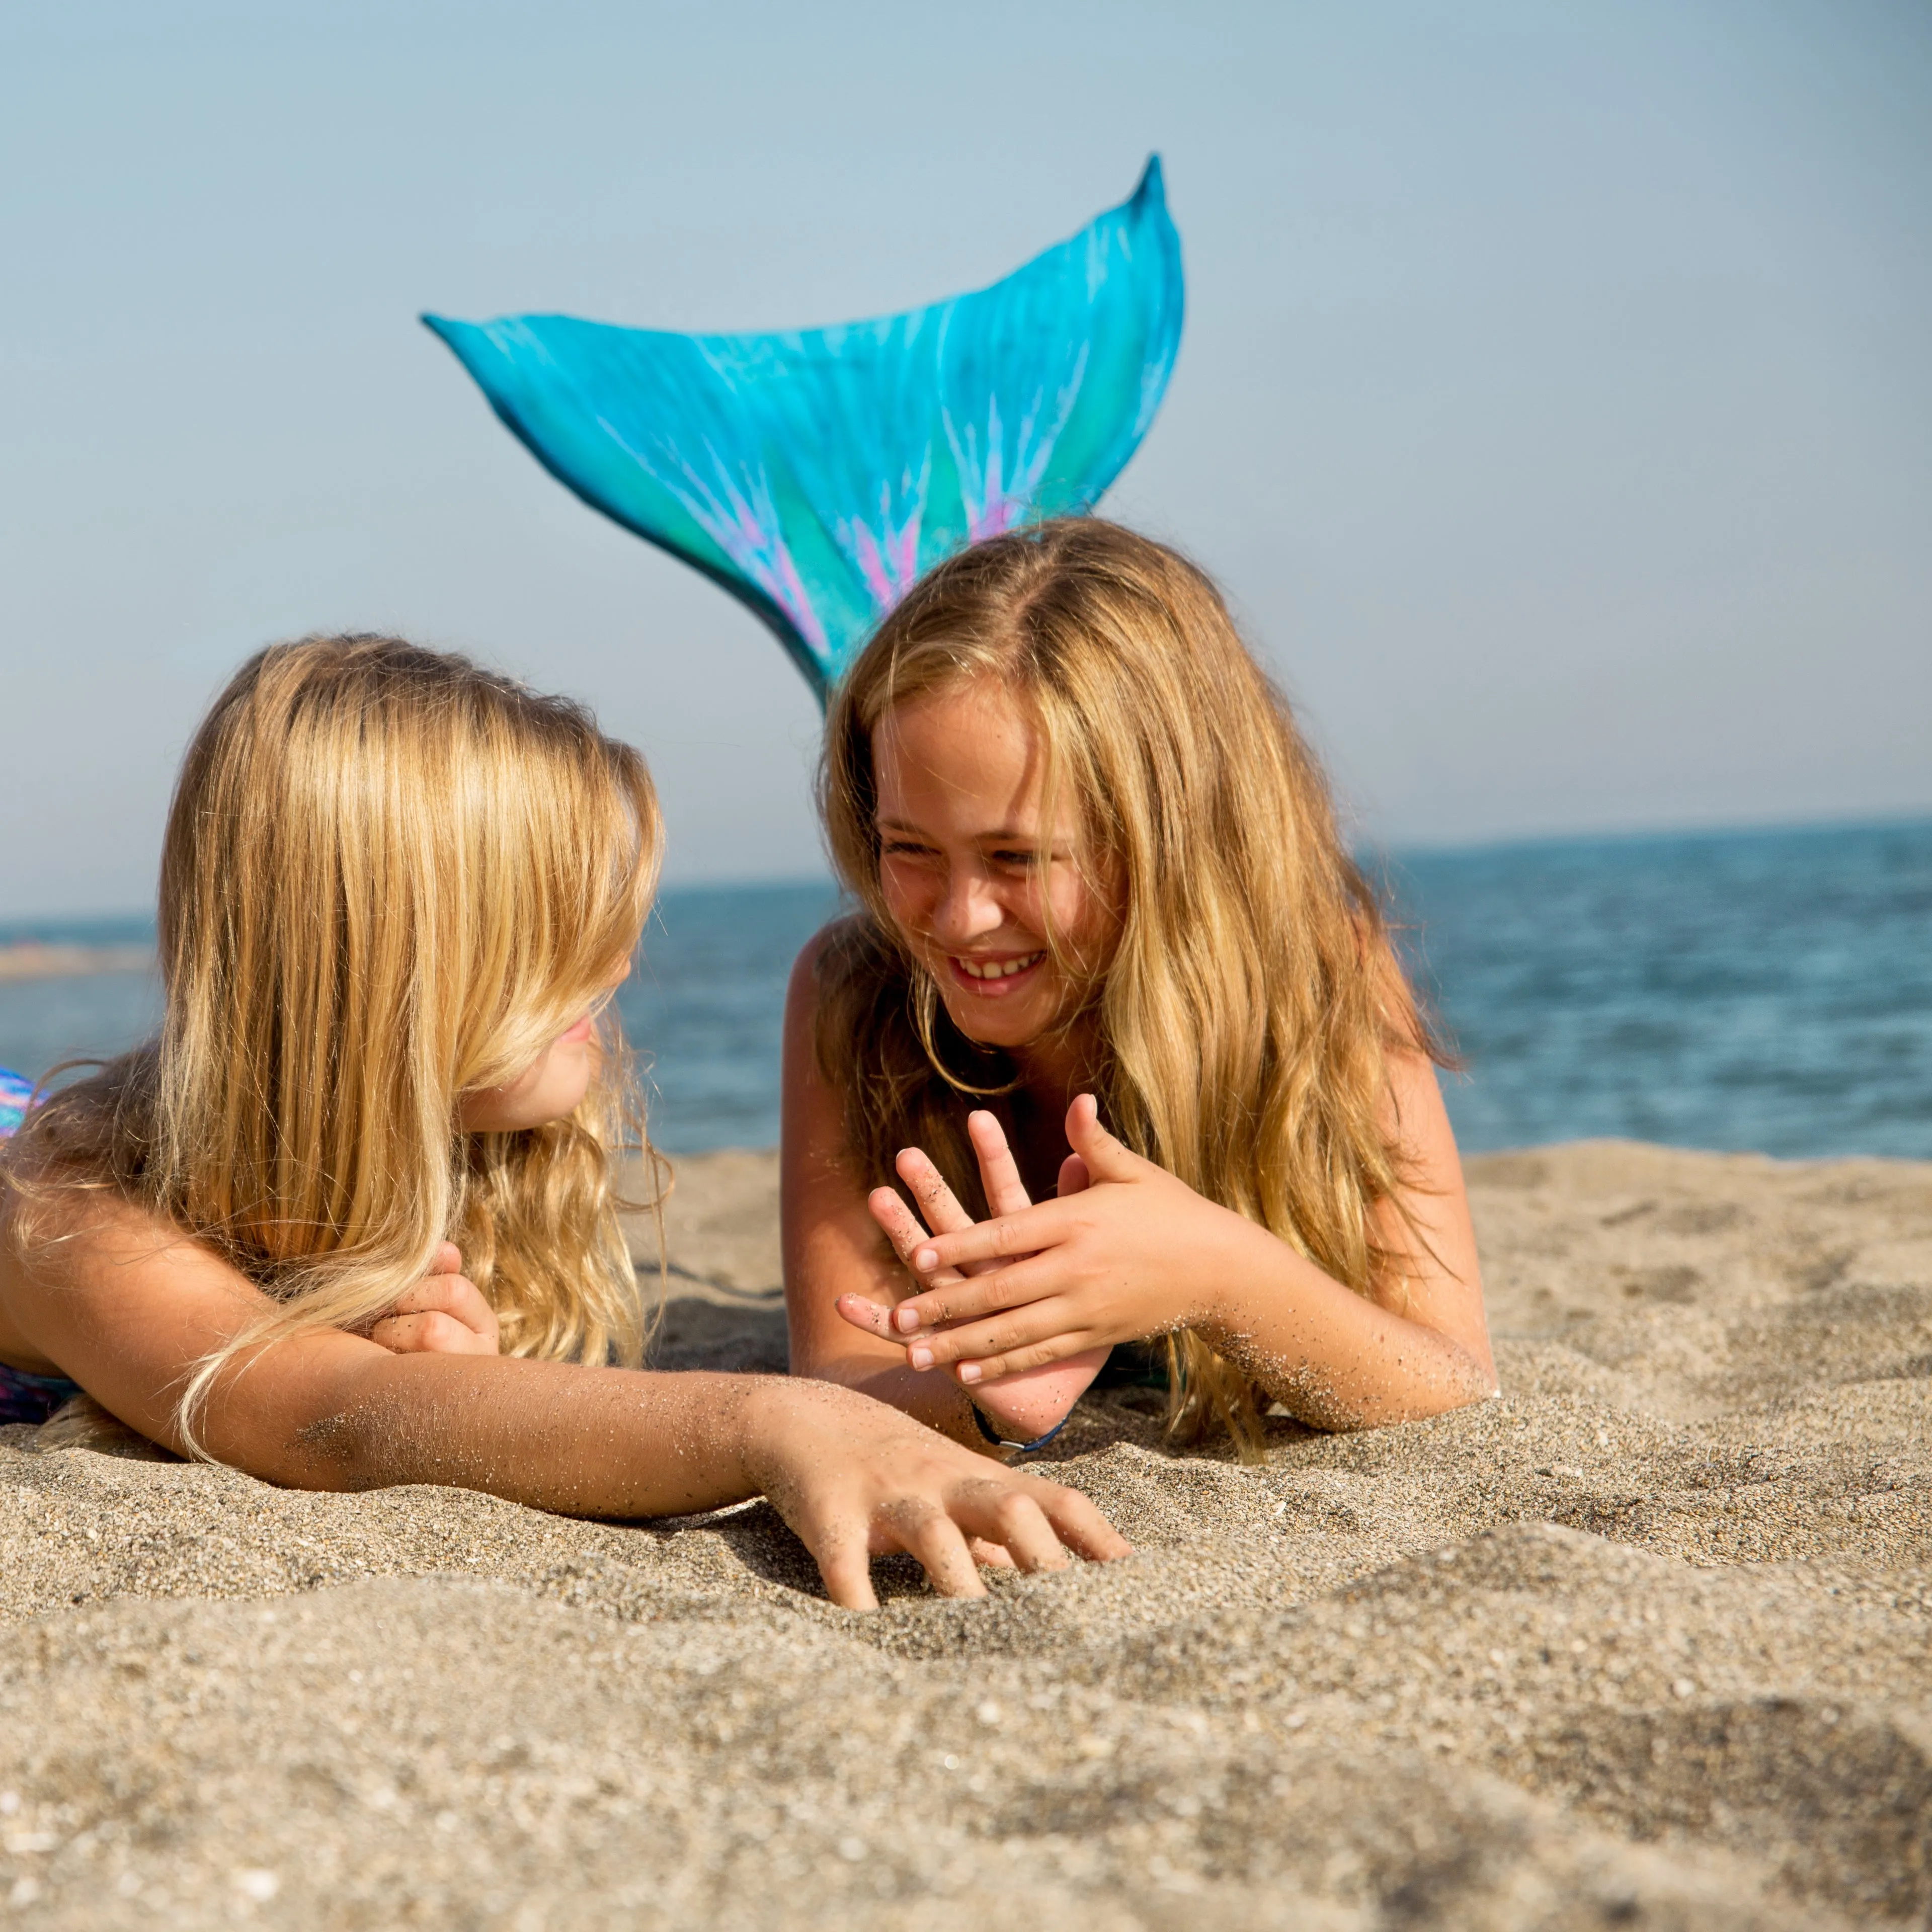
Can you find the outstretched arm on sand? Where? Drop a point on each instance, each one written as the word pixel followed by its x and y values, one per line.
pixel 136 1307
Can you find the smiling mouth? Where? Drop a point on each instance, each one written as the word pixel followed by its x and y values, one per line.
pixel 985 970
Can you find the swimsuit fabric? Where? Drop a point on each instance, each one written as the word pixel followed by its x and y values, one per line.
pixel 24 1397
pixel 32 1398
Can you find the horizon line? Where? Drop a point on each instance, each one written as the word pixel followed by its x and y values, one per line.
pixel 26 925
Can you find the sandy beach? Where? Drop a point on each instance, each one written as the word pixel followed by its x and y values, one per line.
pixel 36 959
pixel 1647 1642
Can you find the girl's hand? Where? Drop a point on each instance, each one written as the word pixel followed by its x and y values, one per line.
pixel 445 1314
pixel 1135 1252
pixel 856 1479
pixel 1032 1401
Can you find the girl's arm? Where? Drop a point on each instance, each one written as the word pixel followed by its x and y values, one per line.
pixel 1139 1253
pixel 135 1307
pixel 834 1249
pixel 832 1245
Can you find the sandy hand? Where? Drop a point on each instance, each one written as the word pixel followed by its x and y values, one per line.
pixel 856 1479
pixel 1136 1253
pixel 445 1314
pixel 1021 1405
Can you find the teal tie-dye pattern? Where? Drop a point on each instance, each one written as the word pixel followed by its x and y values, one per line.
pixel 15 1090
pixel 24 1397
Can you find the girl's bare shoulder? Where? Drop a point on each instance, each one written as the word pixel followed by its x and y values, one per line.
pixel 54 1234
pixel 836 966
pixel 17 1351
pixel 838 944
pixel 78 1238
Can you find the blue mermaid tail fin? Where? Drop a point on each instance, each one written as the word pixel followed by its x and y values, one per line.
pixel 817 474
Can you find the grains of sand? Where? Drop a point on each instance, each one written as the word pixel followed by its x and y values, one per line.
pixel 1647 1641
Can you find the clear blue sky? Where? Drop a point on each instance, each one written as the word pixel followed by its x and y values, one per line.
pixel 1555 402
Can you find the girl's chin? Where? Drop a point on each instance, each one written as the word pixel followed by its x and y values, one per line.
pixel 1008 1023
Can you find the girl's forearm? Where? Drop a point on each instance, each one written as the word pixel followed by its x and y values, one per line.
pixel 586 1441
pixel 1333 1357
pixel 851 1477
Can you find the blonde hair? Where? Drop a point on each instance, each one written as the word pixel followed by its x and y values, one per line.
pixel 389 878
pixel 1238 1034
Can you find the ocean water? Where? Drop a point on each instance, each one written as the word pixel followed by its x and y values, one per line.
pixel 1769 991
pixel 45 1021
pixel 706 1004
pixel 1765 990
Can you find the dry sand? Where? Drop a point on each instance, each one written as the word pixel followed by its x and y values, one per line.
pixel 1644 1643
pixel 34 959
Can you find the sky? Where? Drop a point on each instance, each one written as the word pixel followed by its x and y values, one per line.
pixel 1555 403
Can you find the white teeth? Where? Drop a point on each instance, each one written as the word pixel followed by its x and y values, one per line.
pixel 997 969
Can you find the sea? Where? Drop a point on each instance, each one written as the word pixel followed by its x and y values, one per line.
pixel 1759 990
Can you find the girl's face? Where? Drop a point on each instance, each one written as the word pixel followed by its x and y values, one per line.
pixel 961 837
pixel 551 1087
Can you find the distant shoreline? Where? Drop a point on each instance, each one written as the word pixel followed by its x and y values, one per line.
pixel 36 959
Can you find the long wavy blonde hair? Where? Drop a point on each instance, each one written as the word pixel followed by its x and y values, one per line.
pixel 389 878
pixel 1238 1034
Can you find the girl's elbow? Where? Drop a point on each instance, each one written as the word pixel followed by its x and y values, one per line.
pixel 341 1448
pixel 1468 1381
pixel 1440 1389
pixel 330 1455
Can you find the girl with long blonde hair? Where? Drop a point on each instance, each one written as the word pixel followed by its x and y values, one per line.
pixel 349 1220
pixel 1109 949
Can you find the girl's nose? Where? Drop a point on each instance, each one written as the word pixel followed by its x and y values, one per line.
pixel 966 911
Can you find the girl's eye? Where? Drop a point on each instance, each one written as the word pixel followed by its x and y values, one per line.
pixel 903 848
pixel 1016 861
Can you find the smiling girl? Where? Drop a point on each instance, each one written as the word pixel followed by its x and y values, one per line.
pixel 349 1221
pixel 1122 1015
